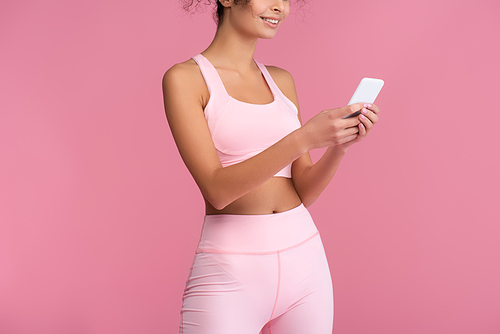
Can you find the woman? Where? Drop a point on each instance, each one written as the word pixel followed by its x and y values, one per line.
pixel 260 266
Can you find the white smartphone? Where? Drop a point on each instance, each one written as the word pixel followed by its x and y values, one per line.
pixel 367 92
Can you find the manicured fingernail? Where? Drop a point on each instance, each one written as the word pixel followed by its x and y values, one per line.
pixel 362 117
pixel 364 111
pixel 368 105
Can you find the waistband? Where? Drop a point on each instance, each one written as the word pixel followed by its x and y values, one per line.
pixel 256 234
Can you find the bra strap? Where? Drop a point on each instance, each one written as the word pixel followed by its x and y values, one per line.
pixel 272 85
pixel 218 95
pixel 275 89
pixel 212 79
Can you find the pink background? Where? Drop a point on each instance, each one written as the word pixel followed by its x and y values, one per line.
pixel 99 218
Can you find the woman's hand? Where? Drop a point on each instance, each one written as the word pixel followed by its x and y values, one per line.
pixel 329 128
pixel 367 118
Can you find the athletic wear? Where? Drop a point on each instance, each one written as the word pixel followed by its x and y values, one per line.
pixel 255 274
pixel 241 130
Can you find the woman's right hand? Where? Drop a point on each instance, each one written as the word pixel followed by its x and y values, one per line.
pixel 329 128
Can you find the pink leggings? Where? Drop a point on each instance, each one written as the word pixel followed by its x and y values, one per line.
pixel 256 274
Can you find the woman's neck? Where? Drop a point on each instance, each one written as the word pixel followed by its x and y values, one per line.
pixel 231 50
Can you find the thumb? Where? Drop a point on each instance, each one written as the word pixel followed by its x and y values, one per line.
pixel 352 110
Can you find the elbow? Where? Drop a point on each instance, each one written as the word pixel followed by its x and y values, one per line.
pixel 215 193
pixel 307 200
pixel 308 203
pixel 218 205
pixel 217 201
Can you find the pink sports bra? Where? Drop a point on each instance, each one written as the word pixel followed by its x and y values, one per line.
pixel 241 130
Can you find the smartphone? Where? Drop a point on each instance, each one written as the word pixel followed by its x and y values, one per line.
pixel 367 91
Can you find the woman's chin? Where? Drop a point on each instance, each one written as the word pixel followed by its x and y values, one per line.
pixel 269 35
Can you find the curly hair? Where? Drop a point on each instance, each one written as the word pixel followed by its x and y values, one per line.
pixel 194 6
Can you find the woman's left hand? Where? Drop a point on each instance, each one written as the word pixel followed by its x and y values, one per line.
pixel 368 118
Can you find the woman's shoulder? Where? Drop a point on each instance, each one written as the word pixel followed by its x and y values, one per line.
pixel 284 81
pixel 184 72
pixel 185 79
pixel 279 73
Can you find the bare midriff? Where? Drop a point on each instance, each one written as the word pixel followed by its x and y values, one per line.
pixel 278 194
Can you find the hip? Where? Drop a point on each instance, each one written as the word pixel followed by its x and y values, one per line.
pixel 257 234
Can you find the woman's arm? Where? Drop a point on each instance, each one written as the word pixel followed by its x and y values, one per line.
pixel 185 95
pixel 311 179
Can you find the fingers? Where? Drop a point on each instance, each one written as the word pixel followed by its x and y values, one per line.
pixel 365 121
pixel 373 108
pixel 348 134
pixel 350 109
pixel 353 127
pixel 354 114
pixel 358 106
pixel 349 139
pixel 353 110
pixel 362 130
pixel 370 115
pixel 361 133
pixel 353 130
pixel 351 122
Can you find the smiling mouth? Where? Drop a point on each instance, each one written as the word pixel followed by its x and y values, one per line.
pixel 273 21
